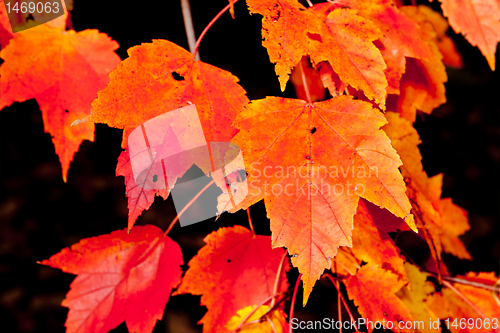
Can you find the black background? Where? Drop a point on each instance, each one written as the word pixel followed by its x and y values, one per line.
pixel 40 215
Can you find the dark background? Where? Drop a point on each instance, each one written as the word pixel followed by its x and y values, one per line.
pixel 40 215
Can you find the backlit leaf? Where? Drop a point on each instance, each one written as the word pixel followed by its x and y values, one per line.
pixel 121 277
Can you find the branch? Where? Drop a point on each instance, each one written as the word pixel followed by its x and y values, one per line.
pixel 188 24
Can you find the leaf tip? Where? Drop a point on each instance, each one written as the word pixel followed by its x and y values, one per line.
pixel 410 220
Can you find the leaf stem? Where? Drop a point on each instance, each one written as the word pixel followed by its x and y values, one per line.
pixel 339 306
pixel 304 81
pixel 209 25
pixel 292 305
pixel 250 221
pixel 188 24
pixel 187 206
pixel 277 280
pixel 493 288
pixel 343 301
pixel 495 292
pixel 255 309
pixel 466 300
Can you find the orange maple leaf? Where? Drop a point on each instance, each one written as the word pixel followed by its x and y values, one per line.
pixel 481 25
pixel 156 78
pixel 311 163
pixel 373 290
pixel 159 77
pixel 234 270
pixel 62 70
pixel 340 37
pixel 399 39
pixel 121 277
pixel 346 43
pixel 371 242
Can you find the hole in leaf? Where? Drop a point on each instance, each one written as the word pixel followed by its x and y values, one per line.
pixel 228 260
pixel 313 130
pixel 66 111
pixel 30 18
pixel 177 76
pixel 155 178
pixel 315 37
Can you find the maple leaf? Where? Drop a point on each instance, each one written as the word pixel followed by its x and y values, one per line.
pixel 346 44
pixel 156 78
pixel 275 321
pixel 62 70
pixel 481 25
pixel 372 244
pixel 286 25
pixel 311 163
pixel 373 290
pixel 234 270
pixel 399 39
pixel 121 277
pixel 422 84
pixel 440 220
pixel 159 77
pixel 340 37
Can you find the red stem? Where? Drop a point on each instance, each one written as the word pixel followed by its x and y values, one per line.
pixel 304 81
pixel 250 221
pixel 339 306
pixel 466 300
pixel 292 306
pixel 210 25
pixel 277 280
pixel 343 301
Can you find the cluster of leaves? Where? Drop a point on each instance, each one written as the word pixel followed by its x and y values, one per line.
pixel 379 61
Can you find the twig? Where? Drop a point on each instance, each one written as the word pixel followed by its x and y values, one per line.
pixel 493 288
pixel 495 292
pixel 209 25
pixel 339 306
pixel 292 305
pixel 466 300
pixel 343 301
pixel 188 24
